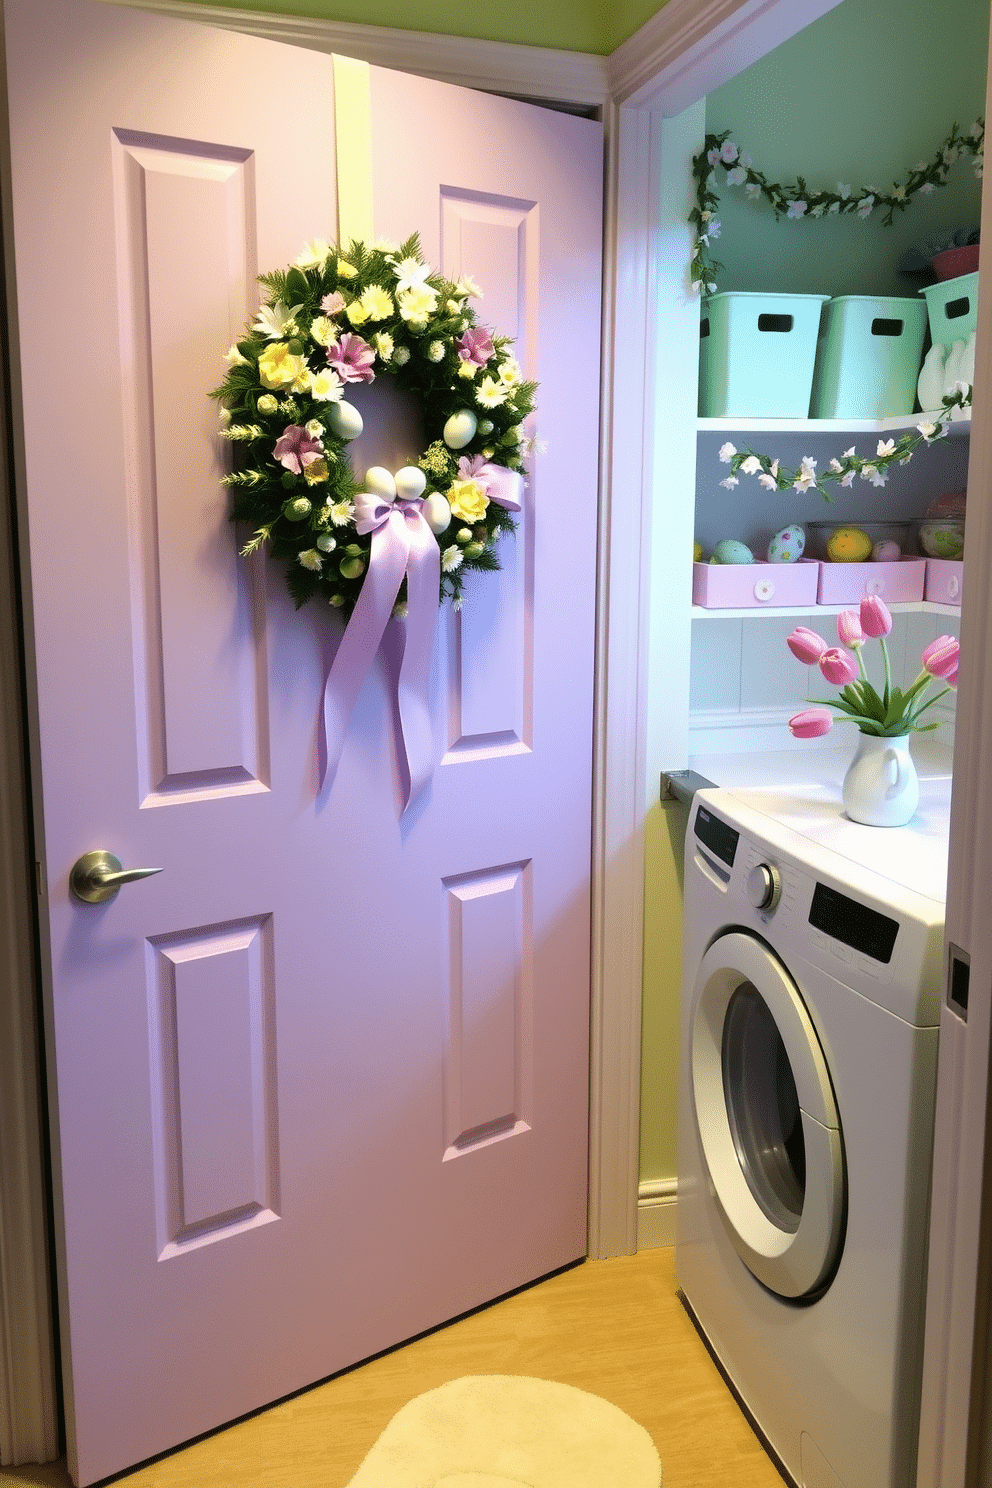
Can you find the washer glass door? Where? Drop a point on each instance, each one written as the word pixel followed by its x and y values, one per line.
pixel 766 1117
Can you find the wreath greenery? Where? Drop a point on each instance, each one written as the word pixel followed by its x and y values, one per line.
pixel 800 201
pixel 337 318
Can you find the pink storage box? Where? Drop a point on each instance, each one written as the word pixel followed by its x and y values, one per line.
pixel 850 583
pixel 740 586
pixel 944 579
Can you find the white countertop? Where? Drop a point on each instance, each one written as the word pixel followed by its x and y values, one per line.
pixel 801 789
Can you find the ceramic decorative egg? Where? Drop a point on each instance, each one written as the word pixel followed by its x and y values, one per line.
pixel 731 551
pixel 410 483
pixel 379 482
pixel 344 420
pixel 787 546
pixel 460 428
pixel 848 545
pixel 436 512
pixel 886 551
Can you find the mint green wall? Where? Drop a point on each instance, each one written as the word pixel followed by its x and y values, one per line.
pixel 860 96
pixel 571 25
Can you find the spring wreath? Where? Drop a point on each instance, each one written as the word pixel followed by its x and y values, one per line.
pixel 392 543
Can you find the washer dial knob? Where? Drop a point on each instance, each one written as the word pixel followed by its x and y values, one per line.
pixel 764 886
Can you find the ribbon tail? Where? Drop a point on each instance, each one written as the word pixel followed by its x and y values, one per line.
pixel 423 582
pixel 360 642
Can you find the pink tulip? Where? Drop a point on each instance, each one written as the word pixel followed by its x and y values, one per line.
pixel 838 666
pixel 940 659
pixel 849 631
pixel 875 618
pixel 811 723
pixel 806 645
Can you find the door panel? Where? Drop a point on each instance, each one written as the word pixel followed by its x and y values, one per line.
pixel 322 1082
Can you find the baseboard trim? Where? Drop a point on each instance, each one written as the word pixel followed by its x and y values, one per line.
pixel 657 1203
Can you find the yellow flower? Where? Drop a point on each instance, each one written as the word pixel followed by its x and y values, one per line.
pixel 278 368
pixel 467 500
pixel 383 343
pixel 357 313
pixel 267 404
pixel 377 303
pixel 417 304
pixel 316 471
pixel 324 331
pixel 346 270
pixel 467 369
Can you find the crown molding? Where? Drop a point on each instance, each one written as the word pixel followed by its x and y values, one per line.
pixel 574 79
pixel 690 47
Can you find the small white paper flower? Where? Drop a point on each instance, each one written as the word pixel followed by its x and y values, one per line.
pixel 451 558
pixel 885 447
pixel 727 452
pixel 750 466
pixel 730 482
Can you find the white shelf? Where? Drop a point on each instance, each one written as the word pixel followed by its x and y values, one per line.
pixel 753 612
pixel 903 423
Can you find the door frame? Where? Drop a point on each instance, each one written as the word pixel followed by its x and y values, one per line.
pixel 644 91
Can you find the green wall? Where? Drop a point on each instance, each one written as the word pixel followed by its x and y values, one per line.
pixel 571 25
pixel 860 96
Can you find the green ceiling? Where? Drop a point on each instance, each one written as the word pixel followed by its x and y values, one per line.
pixel 573 25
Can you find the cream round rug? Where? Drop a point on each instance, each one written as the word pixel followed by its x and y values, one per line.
pixel 508 1431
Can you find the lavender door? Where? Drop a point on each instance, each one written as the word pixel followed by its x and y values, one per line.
pixel 322 1082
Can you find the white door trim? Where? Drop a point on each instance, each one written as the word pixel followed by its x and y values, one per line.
pixel 955 1435
pixel 712 37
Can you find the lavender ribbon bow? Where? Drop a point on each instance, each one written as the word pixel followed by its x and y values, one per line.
pixel 402 543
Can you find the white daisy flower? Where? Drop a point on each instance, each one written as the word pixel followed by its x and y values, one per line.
pixel 341 512
pixel 451 559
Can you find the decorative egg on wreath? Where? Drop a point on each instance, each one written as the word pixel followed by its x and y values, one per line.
pixel 337 319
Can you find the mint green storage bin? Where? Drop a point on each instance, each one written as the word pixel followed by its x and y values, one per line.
pixel 952 306
pixel 757 353
pixel 868 357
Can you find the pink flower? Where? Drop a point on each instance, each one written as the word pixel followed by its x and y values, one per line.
pixel 806 645
pixel 293 447
pixel 332 304
pixel 475 345
pixel 849 631
pixel 811 723
pixel 838 667
pixel 352 358
pixel 875 618
pixel 940 659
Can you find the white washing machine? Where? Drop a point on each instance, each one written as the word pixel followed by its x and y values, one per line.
pixel 812 975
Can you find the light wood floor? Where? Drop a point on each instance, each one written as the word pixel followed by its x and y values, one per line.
pixel 613 1327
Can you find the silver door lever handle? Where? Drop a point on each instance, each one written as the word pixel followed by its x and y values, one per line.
pixel 97 876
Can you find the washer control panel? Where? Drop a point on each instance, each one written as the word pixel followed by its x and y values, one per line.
pixel 764 886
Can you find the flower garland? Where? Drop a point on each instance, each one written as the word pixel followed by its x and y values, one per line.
pixel 799 201
pixel 842 471
pixel 338 318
